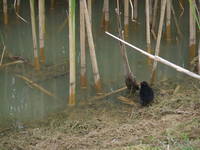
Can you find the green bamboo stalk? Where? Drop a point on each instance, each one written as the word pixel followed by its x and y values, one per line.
pixel 72 52
pixel 35 47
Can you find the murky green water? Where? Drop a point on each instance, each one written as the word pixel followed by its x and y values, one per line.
pixel 19 101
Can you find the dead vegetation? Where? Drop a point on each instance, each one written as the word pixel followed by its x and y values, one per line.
pixel 171 122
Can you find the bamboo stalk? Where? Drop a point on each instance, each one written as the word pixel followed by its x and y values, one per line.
pixel 103 16
pixel 157 50
pixel 168 20
pixel 35 47
pixel 18 6
pixel 72 53
pixel 89 6
pixel 41 4
pixel 5 11
pixel 148 38
pixel 135 9
pixel 192 29
pixel 150 11
pixel 106 14
pixel 83 78
pixel 155 8
pixel 92 50
pixel 40 88
pixel 126 17
pixel 159 59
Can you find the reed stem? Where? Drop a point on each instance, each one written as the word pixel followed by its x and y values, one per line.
pixel 72 53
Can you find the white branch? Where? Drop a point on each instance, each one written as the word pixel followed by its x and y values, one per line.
pixel 157 58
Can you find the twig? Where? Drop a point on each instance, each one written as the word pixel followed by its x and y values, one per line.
pixel 4 48
pixel 126 100
pixel 12 63
pixel 36 85
pixel 108 94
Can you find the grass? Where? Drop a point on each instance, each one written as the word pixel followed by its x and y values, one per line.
pixel 171 122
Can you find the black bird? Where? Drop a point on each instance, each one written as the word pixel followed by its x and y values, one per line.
pixel 146 93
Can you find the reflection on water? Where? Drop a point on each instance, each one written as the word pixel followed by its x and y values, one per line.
pixel 20 101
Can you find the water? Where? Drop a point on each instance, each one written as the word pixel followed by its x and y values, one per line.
pixel 21 102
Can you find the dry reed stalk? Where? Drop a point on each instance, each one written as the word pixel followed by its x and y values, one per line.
pixel 89 6
pixel 148 36
pixel 126 17
pixel 157 50
pixel 36 59
pixel 41 4
pixel 106 14
pixel 92 50
pixel 150 11
pixel 135 9
pixel 155 8
pixel 103 16
pixel 83 78
pixel 72 53
pixel 192 30
pixel 168 20
pixel 18 6
pixel 108 94
pixel 159 59
pixel 40 88
pixel 5 11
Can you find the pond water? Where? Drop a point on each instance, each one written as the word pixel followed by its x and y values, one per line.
pixel 21 102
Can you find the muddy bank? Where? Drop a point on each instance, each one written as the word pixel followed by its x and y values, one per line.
pixel 171 122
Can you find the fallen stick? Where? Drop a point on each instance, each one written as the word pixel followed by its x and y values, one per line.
pixel 4 48
pixel 157 58
pixel 108 94
pixel 12 63
pixel 36 85
pixel 126 100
